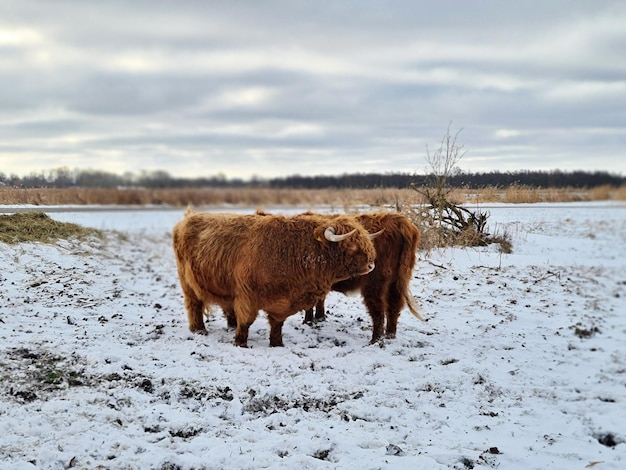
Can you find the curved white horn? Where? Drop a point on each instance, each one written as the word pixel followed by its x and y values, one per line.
pixel 329 234
pixel 377 234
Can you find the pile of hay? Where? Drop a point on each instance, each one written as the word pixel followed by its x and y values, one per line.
pixel 38 227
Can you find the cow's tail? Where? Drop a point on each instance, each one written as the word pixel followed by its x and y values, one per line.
pixel 411 238
pixel 411 304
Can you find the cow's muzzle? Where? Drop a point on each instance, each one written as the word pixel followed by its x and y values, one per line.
pixel 369 269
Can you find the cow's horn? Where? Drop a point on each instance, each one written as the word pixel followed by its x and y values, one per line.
pixel 375 235
pixel 329 233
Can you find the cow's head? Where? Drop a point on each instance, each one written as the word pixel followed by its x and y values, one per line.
pixel 351 247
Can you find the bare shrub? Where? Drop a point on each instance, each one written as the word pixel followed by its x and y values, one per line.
pixel 442 219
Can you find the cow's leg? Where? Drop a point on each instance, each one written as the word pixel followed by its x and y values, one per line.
pixel 231 318
pixel 241 334
pixel 320 311
pixel 244 317
pixel 374 301
pixel 308 316
pixel 276 331
pixel 195 309
pixel 395 302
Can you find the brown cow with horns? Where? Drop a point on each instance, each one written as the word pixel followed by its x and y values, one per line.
pixel 385 290
pixel 279 264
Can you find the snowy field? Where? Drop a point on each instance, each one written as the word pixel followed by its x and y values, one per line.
pixel 521 363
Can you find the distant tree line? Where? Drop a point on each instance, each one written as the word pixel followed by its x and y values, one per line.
pixel 66 178
pixel 77 178
pixel 460 179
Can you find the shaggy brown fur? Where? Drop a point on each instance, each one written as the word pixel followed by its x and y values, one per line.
pixel 386 289
pixel 247 263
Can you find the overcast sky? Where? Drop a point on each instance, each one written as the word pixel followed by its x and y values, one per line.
pixel 282 87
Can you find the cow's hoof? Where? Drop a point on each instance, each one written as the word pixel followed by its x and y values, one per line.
pixel 241 345
pixel 202 331
pixel 276 344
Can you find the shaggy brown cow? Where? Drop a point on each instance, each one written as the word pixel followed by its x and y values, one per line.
pixel 385 290
pixel 279 264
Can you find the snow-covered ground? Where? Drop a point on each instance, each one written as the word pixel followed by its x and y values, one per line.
pixel 521 364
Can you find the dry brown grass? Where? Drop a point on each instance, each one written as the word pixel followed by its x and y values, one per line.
pixel 517 194
pixel 38 227
pixel 618 194
pixel 347 199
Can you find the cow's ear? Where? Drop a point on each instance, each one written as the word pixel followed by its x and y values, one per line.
pixel 318 234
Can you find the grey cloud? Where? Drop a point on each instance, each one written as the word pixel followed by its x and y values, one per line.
pixel 297 86
pixel 131 94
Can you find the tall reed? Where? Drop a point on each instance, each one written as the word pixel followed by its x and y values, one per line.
pixel 346 199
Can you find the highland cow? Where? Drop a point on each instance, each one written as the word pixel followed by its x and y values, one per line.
pixel 279 264
pixel 385 290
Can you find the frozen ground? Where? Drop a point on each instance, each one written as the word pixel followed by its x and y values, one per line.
pixel 521 364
